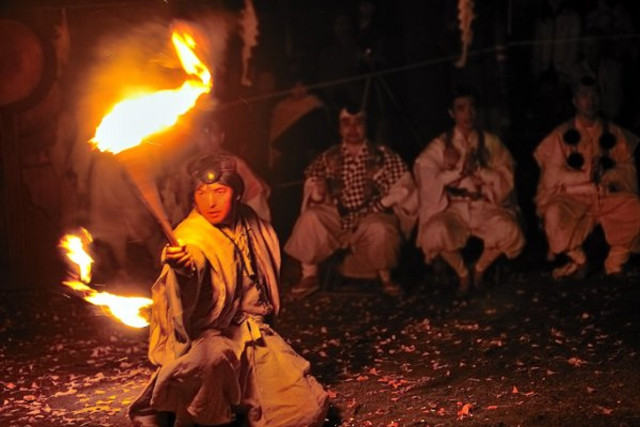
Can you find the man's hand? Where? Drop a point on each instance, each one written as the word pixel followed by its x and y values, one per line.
pixel 476 180
pixel 450 158
pixel 178 258
pixel 470 165
pixel 319 189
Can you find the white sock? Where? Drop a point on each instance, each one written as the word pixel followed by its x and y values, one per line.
pixel 309 270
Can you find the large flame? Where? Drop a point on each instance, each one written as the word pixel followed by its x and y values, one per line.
pixel 133 120
pixel 125 309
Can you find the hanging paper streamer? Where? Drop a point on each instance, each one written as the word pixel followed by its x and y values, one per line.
pixel 465 18
pixel 249 32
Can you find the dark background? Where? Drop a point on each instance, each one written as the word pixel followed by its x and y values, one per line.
pixel 413 45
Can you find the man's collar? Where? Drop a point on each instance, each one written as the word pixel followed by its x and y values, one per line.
pixel 582 124
pixel 362 148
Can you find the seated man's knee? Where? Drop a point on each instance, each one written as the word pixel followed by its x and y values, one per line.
pixel 437 230
pixel 309 215
pixel 217 353
pixel 508 231
pixel 381 232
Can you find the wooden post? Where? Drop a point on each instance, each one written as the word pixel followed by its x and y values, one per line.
pixel 13 227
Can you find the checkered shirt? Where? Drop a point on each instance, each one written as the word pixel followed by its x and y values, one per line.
pixel 357 183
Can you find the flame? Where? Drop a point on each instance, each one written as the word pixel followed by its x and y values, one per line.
pixel 77 254
pixel 148 113
pixel 126 309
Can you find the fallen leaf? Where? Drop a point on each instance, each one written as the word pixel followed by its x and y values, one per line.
pixel 605 411
pixel 465 410
pixel 575 361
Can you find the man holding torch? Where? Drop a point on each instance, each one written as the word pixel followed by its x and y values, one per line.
pixel 216 355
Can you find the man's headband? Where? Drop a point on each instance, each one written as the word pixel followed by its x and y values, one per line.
pixel 208 169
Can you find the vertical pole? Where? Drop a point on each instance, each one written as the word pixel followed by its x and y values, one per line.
pixel 12 200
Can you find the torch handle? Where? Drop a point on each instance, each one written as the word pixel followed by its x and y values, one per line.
pixel 139 172
pixel 168 232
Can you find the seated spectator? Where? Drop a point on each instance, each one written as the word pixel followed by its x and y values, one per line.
pixel 358 196
pixel 465 186
pixel 588 177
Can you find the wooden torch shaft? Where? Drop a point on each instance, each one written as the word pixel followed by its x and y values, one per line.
pixel 138 170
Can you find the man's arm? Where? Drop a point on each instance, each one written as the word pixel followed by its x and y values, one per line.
pixel 555 174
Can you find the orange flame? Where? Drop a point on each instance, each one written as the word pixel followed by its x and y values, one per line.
pixel 144 114
pixel 125 309
pixel 77 254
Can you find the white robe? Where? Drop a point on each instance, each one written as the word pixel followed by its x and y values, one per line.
pixel 568 202
pixel 445 223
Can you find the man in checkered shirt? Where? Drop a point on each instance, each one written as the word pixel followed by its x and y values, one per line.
pixel 358 196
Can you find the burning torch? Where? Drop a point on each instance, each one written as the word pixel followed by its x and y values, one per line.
pixel 133 120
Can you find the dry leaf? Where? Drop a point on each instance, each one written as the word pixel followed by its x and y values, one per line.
pixel 605 411
pixel 575 361
pixel 465 410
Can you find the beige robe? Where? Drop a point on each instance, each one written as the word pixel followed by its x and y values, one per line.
pixel 568 201
pixel 215 353
pixel 446 223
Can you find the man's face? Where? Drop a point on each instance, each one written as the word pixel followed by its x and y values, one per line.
pixel 210 139
pixel 587 102
pixel 352 128
pixel 215 202
pixel 463 112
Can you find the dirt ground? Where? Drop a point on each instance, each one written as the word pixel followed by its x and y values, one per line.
pixel 526 351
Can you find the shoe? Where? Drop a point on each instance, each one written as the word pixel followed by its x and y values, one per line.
pixel 571 270
pixel 392 289
pixel 151 420
pixel 463 286
pixel 307 286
